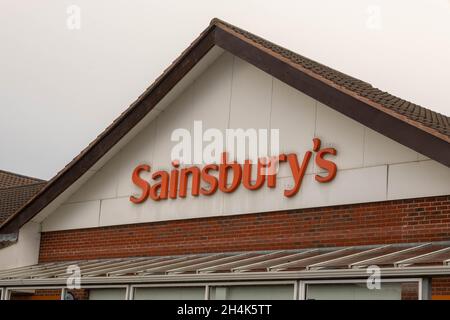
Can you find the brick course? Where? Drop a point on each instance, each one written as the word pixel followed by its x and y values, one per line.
pixel 440 287
pixel 411 220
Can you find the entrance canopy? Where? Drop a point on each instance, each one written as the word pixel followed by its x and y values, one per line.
pixel 406 260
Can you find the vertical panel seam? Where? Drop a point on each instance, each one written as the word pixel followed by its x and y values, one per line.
pixel 99 212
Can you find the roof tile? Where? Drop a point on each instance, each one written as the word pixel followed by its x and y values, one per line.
pixel 15 191
pixel 424 116
pixel 13 198
pixel 9 179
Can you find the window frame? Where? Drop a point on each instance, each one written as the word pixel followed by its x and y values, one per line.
pixel 6 291
pixel 208 285
pixel 303 284
pixel 300 286
pixel 112 286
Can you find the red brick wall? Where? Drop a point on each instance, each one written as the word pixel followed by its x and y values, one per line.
pixel 410 291
pixel 41 294
pixel 440 288
pixel 80 294
pixel 412 220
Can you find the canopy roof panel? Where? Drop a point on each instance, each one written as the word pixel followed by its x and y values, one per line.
pixel 397 259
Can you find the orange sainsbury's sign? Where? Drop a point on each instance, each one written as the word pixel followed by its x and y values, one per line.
pixel 174 184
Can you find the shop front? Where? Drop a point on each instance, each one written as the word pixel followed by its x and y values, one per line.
pixel 245 171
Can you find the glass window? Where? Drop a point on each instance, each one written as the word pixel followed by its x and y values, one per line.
pixel 255 292
pixel 169 293
pixel 35 294
pixel 360 291
pixel 107 294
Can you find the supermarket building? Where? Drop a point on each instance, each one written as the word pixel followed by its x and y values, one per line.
pixel 363 186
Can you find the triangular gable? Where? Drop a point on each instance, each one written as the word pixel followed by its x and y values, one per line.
pixel 418 128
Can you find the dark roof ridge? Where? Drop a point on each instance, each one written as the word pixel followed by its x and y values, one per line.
pixel 218 21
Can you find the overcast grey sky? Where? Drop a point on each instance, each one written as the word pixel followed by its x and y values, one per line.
pixel 59 87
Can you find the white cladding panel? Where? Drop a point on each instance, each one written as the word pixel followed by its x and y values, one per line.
pixel 343 134
pixel 294 114
pixel 233 94
pixel 250 97
pixel 418 179
pixel 379 149
pixel 25 252
pixel 73 216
